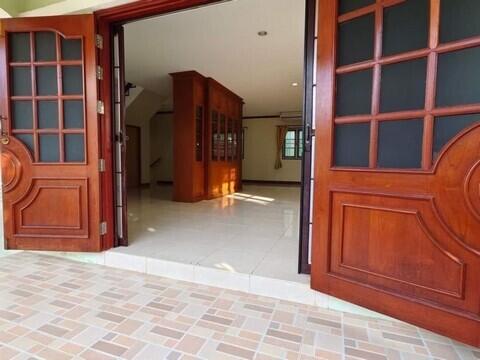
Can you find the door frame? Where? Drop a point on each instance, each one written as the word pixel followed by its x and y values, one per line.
pixel 108 19
pixel 139 130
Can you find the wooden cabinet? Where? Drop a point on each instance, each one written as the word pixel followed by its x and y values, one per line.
pixel 207 138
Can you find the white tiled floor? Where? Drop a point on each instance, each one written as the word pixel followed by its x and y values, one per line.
pixel 254 232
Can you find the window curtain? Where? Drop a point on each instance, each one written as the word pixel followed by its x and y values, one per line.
pixel 281 133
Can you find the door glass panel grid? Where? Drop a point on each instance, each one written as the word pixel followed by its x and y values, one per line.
pixel 37 116
pixel 434 69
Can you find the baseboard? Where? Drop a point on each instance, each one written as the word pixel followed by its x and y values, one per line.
pixel 272 182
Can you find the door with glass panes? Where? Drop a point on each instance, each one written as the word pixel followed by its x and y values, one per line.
pixel 49 136
pixel 396 222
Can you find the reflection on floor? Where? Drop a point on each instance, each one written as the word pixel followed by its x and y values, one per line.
pixel 252 232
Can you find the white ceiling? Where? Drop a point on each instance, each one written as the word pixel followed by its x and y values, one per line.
pixel 221 41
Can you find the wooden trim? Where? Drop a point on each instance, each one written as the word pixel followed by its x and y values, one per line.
pixel 272 182
pixel 261 117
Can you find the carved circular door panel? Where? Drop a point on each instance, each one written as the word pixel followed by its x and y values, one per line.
pixel 11 170
pixel 16 169
pixel 472 190
pixel 456 189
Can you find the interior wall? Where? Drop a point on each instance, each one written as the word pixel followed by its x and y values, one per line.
pixel 139 113
pixel 260 152
pixel 161 140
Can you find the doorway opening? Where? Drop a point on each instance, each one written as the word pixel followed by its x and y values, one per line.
pixel 217 172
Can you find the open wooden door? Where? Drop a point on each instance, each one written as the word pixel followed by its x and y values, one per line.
pixel 396 224
pixel 50 149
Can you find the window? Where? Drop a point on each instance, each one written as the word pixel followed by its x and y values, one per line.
pixel 293 144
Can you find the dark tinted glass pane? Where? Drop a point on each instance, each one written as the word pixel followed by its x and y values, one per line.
pixel 352 142
pixel 72 80
pixel 354 93
pixel 458 78
pixel 74 148
pixel 459 19
pixel 400 144
pixel 355 40
pixel 71 49
pixel 403 86
pixel 19 47
pixel 22 115
pixel 447 127
pixel 49 151
pixel 349 5
pixel 405 27
pixel 45 47
pixel 47 114
pixel 73 114
pixel 21 81
pixel 47 80
pixel 27 139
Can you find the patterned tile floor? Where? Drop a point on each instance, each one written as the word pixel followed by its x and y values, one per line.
pixel 52 308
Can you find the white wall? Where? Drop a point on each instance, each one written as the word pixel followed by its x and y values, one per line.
pixel 161 140
pixel 260 152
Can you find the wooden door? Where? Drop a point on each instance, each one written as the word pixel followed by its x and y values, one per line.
pixel 396 223
pixel 50 159
pixel 133 156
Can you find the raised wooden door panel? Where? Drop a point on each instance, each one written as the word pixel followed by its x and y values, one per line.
pixel 50 170
pixel 397 175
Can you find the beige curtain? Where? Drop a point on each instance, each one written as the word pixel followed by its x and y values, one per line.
pixel 281 132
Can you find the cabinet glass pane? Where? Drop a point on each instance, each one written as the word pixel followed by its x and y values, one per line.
pixel 459 19
pixel 405 27
pixel 45 47
pixel 73 114
pixel 403 86
pixel 199 133
pixel 355 40
pixel 27 140
pixel 74 148
pixel 48 146
pixel 22 114
pixel 21 81
pixel 349 5
pixel 458 78
pixel 447 127
pixel 47 80
pixel 19 47
pixel 400 144
pixel 352 143
pixel 72 80
pixel 221 138
pixel 214 136
pixel 71 49
pixel 354 93
pixel 47 114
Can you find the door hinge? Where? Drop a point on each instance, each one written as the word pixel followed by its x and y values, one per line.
pixel 103 228
pixel 100 107
pixel 99 41
pixel 101 165
pixel 99 72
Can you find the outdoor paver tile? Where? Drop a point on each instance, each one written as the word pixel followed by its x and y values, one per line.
pixel 52 308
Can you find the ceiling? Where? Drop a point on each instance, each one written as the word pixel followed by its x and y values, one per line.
pixel 221 41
